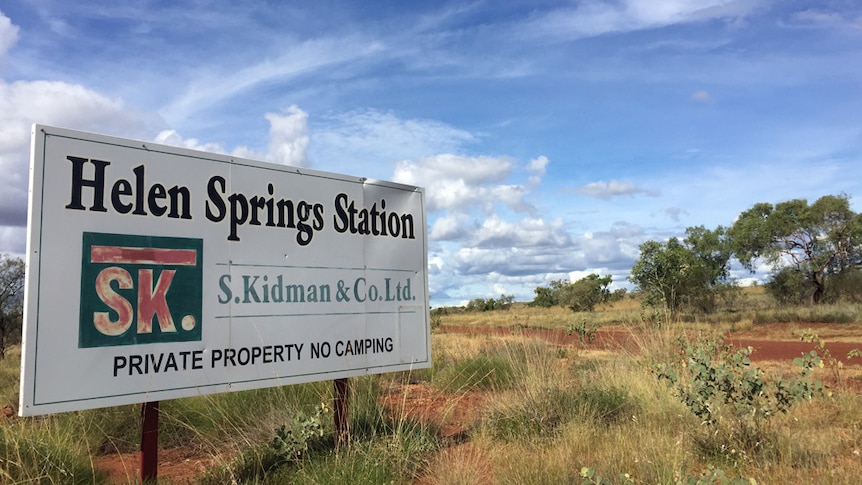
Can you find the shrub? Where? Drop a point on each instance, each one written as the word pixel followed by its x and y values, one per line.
pixel 789 286
pixel 733 399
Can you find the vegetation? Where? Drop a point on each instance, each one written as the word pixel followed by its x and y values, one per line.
pixel 493 407
pixel 11 301
pixel 689 274
pixel 819 240
pixel 582 295
pixel 490 304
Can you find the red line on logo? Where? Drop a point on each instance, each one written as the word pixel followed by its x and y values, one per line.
pixel 121 255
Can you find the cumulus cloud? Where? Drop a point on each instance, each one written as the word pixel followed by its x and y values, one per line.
pixel 52 103
pixel 172 138
pixel 288 140
pixel 524 233
pixel 450 227
pixel 288 137
pixel 455 182
pixel 614 188
pixel 514 262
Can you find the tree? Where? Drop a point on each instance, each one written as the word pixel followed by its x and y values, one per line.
pixel 675 274
pixel 586 293
pixel 549 296
pixel 490 304
pixel 545 297
pixel 11 301
pixel 582 295
pixel 821 239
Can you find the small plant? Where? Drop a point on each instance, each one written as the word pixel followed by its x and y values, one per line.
pixel 586 331
pixel 821 355
pixel 291 442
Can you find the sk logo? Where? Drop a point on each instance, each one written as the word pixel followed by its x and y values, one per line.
pixel 140 289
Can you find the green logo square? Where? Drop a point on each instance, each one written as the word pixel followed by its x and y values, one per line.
pixel 140 290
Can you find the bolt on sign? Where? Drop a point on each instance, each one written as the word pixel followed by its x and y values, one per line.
pixel 156 272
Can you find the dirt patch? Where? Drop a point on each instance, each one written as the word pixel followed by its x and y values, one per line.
pixel 453 415
pixel 176 465
pixel 770 342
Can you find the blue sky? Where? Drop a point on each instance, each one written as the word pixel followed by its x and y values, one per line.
pixel 552 138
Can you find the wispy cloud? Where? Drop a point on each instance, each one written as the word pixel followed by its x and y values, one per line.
pixel 598 17
pixel 613 188
pixel 304 58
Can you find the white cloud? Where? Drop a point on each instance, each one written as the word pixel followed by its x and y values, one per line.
pixel 525 233
pixel 450 227
pixel 295 60
pixel 53 103
pixel 8 34
pixel 288 137
pixel 455 182
pixel 172 138
pixel 288 140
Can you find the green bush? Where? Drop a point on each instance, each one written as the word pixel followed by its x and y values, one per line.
pixel 789 287
pixel 733 399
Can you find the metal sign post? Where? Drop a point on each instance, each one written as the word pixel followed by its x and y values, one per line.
pixel 149 442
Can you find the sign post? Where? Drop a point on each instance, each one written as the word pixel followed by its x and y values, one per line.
pixel 149 442
pixel 341 413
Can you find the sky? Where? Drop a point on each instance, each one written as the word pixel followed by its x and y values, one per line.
pixel 552 138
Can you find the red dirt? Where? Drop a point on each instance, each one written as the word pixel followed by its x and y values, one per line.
pixel 763 339
pixel 179 465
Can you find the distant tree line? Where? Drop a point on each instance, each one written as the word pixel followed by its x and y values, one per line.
pixel 815 251
pixel 490 304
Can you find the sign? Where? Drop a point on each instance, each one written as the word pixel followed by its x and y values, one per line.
pixel 156 272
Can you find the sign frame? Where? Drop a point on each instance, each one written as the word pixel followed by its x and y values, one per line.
pixel 303 275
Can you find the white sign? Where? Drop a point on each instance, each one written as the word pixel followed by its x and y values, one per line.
pixel 156 272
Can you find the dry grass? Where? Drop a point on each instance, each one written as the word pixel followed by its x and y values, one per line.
pixel 655 439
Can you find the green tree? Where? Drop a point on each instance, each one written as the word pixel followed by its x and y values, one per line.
pixel 11 301
pixel 688 273
pixel 549 296
pixel 586 293
pixel 545 297
pixel 490 304
pixel 820 239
